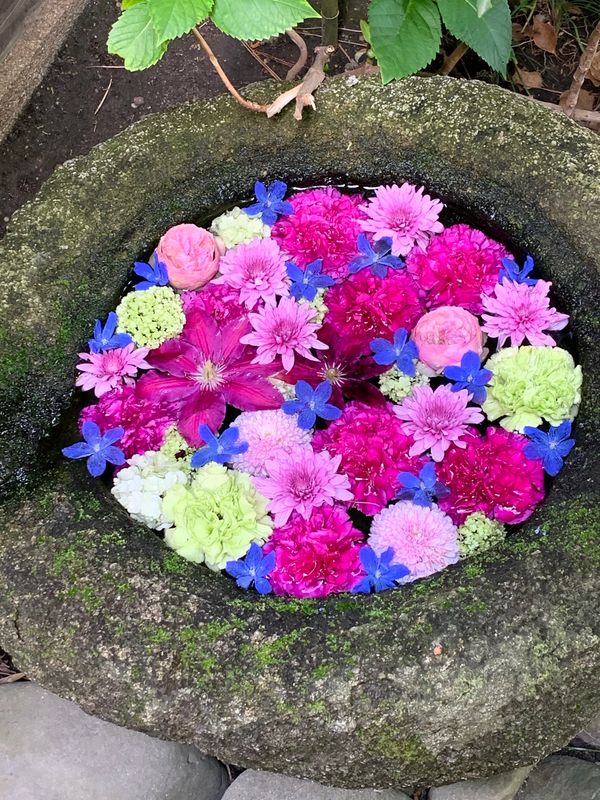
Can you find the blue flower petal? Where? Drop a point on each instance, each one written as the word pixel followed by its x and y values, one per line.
pixel 96 464
pixel 79 450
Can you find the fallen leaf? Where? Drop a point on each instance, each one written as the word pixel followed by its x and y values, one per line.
pixel 585 101
pixel 530 80
pixel 543 34
pixel 518 34
pixel 594 73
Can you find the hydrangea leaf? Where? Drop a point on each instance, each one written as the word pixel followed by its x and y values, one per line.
pixel 489 35
pixel 259 19
pixel 405 35
pixel 125 4
pixel 173 18
pixel 134 38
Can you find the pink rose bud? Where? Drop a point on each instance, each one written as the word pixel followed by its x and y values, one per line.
pixel 191 256
pixel 445 334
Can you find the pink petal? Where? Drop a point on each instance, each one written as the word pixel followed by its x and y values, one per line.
pixel 201 331
pixel 204 408
pixel 250 393
pixel 154 386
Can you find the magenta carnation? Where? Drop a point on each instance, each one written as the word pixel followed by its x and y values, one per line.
pixel 255 271
pixel 266 432
pixel 366 307
pixel 518 312
pixel 458 266
pixel 218 302
pixel 373 449
pixel 324 224
pixel 491 474
pixel 316 556
pixel 423 539
pixel 405 214
pixel 144 421
pixel 111 368
pixel 302 481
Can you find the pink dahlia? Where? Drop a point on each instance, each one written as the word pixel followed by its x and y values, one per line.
pixel 373 449
pixel 491 473
pixel 324 224
pixel 218 302
pixel 144 421
pixel 255 271
pixel 267 433
pixel 405 214
pixel 316 556
pixel 517 312
pixel 283 331
pixel 423 539
pixel 107 370
pixel 458 266
pixel 302 481
pixel 366 307
pixel 436 419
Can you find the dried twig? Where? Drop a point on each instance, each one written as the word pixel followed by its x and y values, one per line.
pixel 16 676
pixel 570 105
pixel 303 93
pixel 302 58
pixel 453 59
pixel 258 57
pixel 104 96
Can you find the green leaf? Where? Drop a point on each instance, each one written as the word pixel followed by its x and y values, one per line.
pixel 489 35
pixel 364 29
pixel 259 19
pixel 173 18
pixel 405 35
pixel 134 38
pixel 125 4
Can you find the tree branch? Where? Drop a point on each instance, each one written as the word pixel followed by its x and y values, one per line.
pixel 303 93
pixel 570 104
pixel 302 58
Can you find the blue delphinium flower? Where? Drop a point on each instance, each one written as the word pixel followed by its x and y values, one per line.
pixel 403 353
pixel 219 449
pixel 421 489
pixel 105 337
pixel 98 448
pixel 154 274
pixel 512 272
pixel 381 573
pixel 378 256
pixel 306 282
pixel 311 403
pixel 270 203
pixel 253 569
pixel 550 448
pixel 469 376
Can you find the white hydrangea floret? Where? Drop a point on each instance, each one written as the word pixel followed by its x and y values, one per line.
pixel 141 486
pixel 396 385
pixel 236 227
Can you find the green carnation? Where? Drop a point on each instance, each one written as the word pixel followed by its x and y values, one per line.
pixel 396 385
pixel 479 533
pixel 236 227
pixel 532 384
pixel 152 316
pixel 217 517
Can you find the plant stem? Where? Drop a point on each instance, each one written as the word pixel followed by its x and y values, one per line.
pixel 581 72
pixel 330 12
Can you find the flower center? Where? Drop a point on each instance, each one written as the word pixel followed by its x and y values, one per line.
pixel 210 376
pixel 333 373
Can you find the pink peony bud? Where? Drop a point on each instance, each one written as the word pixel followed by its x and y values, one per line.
pixel 191 256
pixel 445 334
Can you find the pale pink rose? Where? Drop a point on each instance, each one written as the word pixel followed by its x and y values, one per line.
pixel 190 254
pixel 445 334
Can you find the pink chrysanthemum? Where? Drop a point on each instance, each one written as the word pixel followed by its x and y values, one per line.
pixel 491 474
pixel 316 556
pixel 373 450
pixel 324 224
pixel 405 214
pixel 144 421
pixel 423 539
pixel 458 267
pixel 302 481
pixel 518 312
pixel 366 307
pixel 266 432
pixel 218 302
pixel 111 368
pixel 256 271
pixel 436 419
pixel 283 331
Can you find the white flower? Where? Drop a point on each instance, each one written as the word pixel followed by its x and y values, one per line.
pixel 236 227
pixel 396 385
pixel 141 486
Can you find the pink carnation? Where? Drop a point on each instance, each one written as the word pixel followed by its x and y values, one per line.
pixel 302 481
pixel 405 214
pixel 218 302
pixel 316 556
pixel 436 419
pixel 458 266
pixel 324 224
pixel 366 307
pixel 107 370
pixel 491 473
pixel 423 539
pixel 445 334
pixel 283 331
pixel 266 432
pixel 144 421
pixel 255 271
pixel 373 450
pixel 517 312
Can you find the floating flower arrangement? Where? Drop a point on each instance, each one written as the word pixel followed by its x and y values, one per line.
pixel 329 393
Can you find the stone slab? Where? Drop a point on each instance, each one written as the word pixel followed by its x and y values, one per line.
pixel 257 785
pixel 562 778
pixel 498 787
